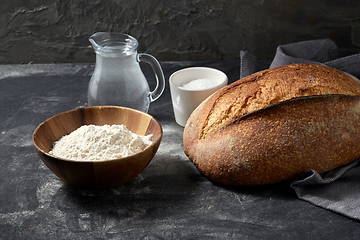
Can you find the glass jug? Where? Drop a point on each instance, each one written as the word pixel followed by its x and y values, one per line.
pixel 117 78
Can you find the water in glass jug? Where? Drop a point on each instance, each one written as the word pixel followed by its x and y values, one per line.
pixel 117 78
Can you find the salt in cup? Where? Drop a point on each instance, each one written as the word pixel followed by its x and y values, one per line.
pixel 190 86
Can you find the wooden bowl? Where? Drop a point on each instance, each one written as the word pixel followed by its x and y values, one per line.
pixel 99 174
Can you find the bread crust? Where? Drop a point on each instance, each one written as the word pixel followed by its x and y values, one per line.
pixel 279 140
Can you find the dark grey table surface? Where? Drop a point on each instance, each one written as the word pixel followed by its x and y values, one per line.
pixel 170 199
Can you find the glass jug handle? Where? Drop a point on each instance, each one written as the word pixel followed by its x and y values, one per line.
pixel 159 75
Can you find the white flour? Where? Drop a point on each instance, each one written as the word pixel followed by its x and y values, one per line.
pixel 96 143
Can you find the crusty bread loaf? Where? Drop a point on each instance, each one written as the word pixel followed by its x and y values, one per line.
pixel 275 124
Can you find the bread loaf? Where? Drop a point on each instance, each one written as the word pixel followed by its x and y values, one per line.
pixel 275 124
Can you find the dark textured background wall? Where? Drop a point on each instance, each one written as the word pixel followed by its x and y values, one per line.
pixel 46 31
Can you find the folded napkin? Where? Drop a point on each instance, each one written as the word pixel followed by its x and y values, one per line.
pixel 336 190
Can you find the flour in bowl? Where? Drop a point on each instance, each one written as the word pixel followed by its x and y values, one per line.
pixel 97 143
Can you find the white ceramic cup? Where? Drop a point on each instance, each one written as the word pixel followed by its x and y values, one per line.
pixel 185 100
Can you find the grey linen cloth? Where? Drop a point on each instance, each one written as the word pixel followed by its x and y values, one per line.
pixel 337 190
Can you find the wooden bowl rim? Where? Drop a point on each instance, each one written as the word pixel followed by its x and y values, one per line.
pixel 100 161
